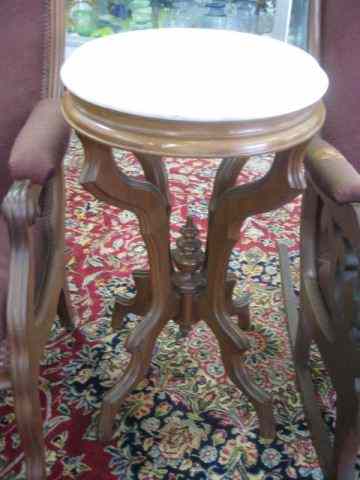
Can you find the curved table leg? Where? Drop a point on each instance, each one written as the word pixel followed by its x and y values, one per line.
pixel 231 207
pixel 226 177
pixel 155 173
pixel 141 345
pixel 238 307
pixel 102 177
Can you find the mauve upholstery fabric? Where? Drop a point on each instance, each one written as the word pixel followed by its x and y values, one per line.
pixel 341 60
pixel 22 53
pixel 41 144
pixel 33 134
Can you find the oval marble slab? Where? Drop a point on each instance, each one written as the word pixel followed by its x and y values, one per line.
pixel 194 75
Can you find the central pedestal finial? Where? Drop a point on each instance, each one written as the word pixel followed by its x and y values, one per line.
pixel 188 258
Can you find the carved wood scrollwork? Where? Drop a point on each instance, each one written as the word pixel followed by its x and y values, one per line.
pixel 20 209
pixel 150 203
pixel 190 289
pixel 339 279
pixel 28 318
pixel 231 205
pixel 343 277
pixel 329 315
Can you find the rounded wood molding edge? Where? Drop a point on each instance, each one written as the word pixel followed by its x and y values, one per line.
pixel 192 139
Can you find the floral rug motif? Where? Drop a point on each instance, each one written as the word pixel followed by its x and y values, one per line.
pixel 186 420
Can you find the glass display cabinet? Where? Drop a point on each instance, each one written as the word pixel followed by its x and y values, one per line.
pixel 282 19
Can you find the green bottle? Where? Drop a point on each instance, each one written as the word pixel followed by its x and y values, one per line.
pixel 83 18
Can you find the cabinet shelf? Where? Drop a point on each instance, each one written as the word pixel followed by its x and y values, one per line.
pixel 282 19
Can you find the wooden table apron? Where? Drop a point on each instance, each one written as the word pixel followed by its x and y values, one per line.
pixel 188 285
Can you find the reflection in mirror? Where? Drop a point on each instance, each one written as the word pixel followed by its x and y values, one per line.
pixel 282 19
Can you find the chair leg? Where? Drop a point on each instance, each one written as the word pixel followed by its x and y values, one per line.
pixel 64 309
pixel 300 322
pixel 317 427
pixel 29 421
pixel 346 443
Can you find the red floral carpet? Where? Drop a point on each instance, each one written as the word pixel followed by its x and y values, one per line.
pixel 186 420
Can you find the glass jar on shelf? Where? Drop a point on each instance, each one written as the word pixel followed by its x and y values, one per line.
pixel 102 7
pixel 182 14
pixel 119 10
pixel 298 23
pixel 164 16
pixel 142 16
pixel 118 15
pixel 265 17
pixel 82 18
pixel 241 15
pixel 215 15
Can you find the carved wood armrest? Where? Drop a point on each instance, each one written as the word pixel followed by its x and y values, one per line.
pixel 20 209
pixel 331 173
pixel 20 205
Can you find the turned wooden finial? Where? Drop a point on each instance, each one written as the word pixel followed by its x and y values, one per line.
pixel 188 255
pixel 188 259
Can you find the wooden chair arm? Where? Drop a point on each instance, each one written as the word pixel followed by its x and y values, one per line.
pixel 19 208
pixel 331 173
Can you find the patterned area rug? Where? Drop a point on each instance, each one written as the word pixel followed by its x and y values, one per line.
pixel 186 420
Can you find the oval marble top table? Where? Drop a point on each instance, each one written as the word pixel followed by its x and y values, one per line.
pixel 193 92
pixel 196 93
pixel 194 75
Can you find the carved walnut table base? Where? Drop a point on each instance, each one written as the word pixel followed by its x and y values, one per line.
pixel 187 285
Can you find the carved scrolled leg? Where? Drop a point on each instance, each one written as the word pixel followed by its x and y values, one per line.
pixel 29 422
pixel 155 173
pixel 19 208
pixel 141 345
pixel 233 345
pixel 232 341
pixel 229 210
pixel 238 307
pixel 101 177
pixel 346 442
pixel 226 177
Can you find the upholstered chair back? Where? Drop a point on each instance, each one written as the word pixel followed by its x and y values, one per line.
pixel 340 46
pixel 25 45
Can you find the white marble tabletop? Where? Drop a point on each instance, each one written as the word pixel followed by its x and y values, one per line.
pixel 194 75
